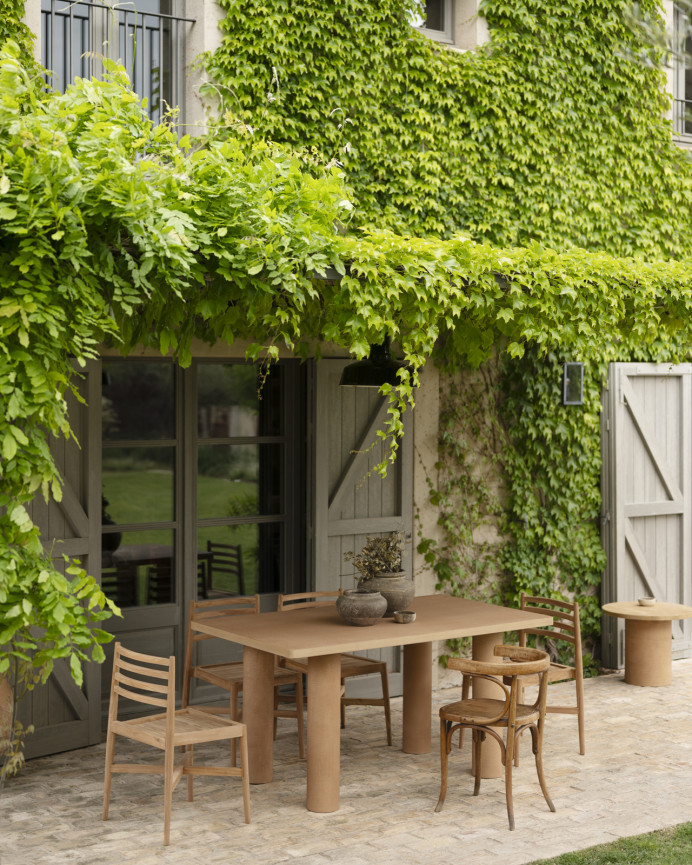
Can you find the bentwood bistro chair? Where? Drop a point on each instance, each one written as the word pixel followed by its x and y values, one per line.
pixel 351 665
pixel 481 715
pixel 150 680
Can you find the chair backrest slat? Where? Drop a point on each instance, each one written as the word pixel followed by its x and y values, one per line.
pixel 301 600
pixel 132 674
pixel 218 607
pixel 565 625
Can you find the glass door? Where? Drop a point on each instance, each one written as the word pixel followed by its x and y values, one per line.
pixel 203 490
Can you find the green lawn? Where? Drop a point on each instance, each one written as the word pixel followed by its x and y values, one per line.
pixel 145 494
pixel 666 847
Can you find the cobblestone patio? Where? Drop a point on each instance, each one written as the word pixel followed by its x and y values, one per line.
pixel 636 776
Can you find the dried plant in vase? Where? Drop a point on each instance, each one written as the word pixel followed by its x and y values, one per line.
pixel 380 566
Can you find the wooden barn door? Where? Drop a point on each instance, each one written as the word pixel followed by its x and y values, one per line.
pixel 350 499
pixel 66 716
pixel 647 494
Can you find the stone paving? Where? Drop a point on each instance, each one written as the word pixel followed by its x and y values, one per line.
pixel 636 776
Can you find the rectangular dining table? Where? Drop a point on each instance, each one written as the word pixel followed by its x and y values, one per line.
pixel 320 635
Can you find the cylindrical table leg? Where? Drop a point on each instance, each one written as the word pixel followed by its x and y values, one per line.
pixel 324 732
pixel 258 712
pixel 417 708
pixel 491 757
pixel 648 652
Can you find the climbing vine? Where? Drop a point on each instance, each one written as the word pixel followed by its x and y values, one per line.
pixel 112 230
pixel 550 134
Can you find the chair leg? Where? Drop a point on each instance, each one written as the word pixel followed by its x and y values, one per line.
pixel 444 758
pixel 110 751
pixel 245 775
pixel 167 795
pixel 387 708
pixel 477 738
pixel 520 699
pixel 189 761
pixel 508 755
pixel 508 792
pixel 537 737
pixel 343 708
pixel 235 716
pixel 464 696
pixel 301 721
pixel 580 717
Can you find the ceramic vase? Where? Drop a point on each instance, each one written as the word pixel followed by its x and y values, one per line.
pixel 397 588
pixel 361 606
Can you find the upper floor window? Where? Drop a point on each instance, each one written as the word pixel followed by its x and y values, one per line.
pixel 436 20
pixel 147 38
pixel 682 82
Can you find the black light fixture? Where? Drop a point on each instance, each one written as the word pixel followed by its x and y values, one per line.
pixel 573 384
pixel 380 368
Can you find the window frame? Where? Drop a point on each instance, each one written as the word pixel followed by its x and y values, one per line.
pixel 445 36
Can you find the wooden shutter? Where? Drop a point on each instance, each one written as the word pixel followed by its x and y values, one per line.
pixel 351 501
pixel 647 494
pixel 66 716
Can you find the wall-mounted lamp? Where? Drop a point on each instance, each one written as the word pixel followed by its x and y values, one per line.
pixel 380 368
pixel 573 384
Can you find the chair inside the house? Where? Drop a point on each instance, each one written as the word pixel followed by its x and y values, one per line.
pixel 228 675
pixel 482 714
pixel 351 665
pixel 225 569
pixel 120 585
pixel 160 586
pixel 565 629
pixel 150 680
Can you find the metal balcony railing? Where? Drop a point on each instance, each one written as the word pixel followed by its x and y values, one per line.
pixel 150 44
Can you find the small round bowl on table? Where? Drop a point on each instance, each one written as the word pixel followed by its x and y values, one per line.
pixel 404 617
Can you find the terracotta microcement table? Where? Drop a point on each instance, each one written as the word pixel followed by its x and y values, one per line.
pixel 648 640
pixel 320 636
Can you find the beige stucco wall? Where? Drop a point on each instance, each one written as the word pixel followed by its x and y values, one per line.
pixel 470 28
pixel 203 35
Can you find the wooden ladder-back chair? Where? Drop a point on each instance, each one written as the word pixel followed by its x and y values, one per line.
pixel 351 665
pixel 565 629
pixel 151 680
pixel 229 675
pixel 481 715
pixel 225 560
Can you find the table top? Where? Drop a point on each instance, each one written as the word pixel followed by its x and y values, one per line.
pixel 312 632
pixel 659 612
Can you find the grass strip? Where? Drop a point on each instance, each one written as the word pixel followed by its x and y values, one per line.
pixel 672 846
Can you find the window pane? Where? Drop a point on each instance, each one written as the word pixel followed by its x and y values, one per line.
pixel 435 14
pixel 138 401
pixel 239 480
pixel 138 568
pixel 233 401
pixel 138 484
pixel 239 560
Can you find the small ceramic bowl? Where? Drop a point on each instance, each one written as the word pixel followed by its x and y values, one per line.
pixel 403 617
pixel 646 602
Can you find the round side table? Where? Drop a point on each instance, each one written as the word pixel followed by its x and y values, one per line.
pixel 648 640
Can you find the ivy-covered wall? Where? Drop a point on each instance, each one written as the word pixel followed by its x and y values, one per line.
pixel 13 27
pixel 546 135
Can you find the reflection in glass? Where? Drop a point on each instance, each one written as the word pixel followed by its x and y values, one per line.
pixel 138 401
pixel 232 401
pixel 239 560
pixel 137 568
pixel 238 480
pixel 138 484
